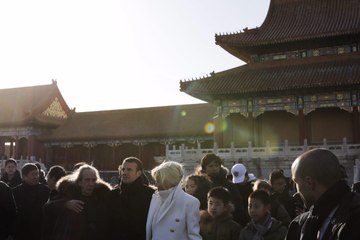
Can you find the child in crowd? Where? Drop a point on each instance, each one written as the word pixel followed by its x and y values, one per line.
pixel 11 175
pixel 277 211
pixel 217 223
pixel 262 225
pixel 198 186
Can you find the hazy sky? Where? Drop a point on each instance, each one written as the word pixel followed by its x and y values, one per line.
pixel 119 54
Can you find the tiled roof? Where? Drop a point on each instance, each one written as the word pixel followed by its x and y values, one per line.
pixel 294 20
pixel 264 78
pixel 25 104
pixel 162 122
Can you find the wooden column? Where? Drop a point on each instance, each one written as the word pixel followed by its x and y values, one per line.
pixel 252 127
pixel 31 146
pixel 17 148
pixel 219 131
pixel 11 149
pixel 2 149
pixel 302 127
pixel 356 124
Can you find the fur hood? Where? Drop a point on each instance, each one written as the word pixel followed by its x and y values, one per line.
pixel 67 187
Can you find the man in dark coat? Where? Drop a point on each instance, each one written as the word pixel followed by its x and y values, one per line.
pixel 129 203
pixel 334 210
pixel 30 197
pixel 7 211
pixel 278 183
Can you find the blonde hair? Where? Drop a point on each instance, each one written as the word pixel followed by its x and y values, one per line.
pixel 168 174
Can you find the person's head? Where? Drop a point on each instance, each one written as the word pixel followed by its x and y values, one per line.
pixel 130 170
pixel 211 164
pixel 259 205
pixel 87 177
pixel 196 183
pixel 262 185
pixel 239 173
pixel 219 202
pixel 78 165
pixel 55 173
pixel 191 184
pixel 10 166
pixel 277 181
pixel 314 172
pixel 30 174
pixel 167 175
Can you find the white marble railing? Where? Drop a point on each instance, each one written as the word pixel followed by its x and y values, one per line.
pixel 284 152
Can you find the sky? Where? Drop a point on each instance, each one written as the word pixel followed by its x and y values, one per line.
pixel 119 54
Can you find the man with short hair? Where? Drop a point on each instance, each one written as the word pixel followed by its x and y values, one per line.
pixel 30 197
pixel 53 176
pixel 279 192
pixel 129 203
pixel 334 210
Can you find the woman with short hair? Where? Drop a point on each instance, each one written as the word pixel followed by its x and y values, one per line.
pixel 173 213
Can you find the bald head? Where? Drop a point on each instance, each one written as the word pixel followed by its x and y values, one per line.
pixel 320 164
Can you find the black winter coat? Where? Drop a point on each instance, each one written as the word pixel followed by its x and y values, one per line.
pixel 128 210
pixel 29 202
pixel 345 223
pixel 240 214
pixel 15 181
pixel 61 223
pixel 7 211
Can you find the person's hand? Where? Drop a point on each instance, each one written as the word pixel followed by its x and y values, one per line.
pixel 299 211
pixel 75 205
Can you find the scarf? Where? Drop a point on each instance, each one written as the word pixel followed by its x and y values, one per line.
pixel 166 197
pixel 322 208
pixel 261 229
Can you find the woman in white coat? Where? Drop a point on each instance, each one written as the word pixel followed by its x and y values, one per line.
pixel 173 214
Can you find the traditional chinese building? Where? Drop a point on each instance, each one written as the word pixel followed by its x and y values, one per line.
pixel 301 81
pixel 37 124
pixel 26 114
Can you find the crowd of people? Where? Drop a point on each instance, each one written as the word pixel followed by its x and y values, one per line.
pixel 214 203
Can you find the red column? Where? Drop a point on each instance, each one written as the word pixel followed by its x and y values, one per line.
pixel 302 127
pixel 17 148
pixel 252 128
pixel 356 124
pixel 31 146
pixel 219 131
pixel 2 149
pixel 11 149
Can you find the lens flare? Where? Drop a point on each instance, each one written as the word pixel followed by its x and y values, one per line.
pixel 183 113
pixel 209 128
pixel 223 126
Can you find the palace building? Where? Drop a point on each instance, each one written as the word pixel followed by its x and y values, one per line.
pixel 37 124
pixel 301 80
pixel 299 89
